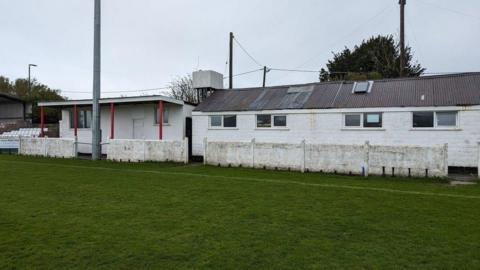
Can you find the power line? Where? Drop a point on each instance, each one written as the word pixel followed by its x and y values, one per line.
pixel 246 52
pixel 382 11
pixel 449 9
pixel 244 73
pixel 346 72
pixel 294 70
pixel 148 89
pixel 116 91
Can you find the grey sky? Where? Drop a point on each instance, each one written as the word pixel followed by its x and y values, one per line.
pixel 147 43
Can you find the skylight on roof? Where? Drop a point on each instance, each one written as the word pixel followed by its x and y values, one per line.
pixel 300 89
pixel 362 87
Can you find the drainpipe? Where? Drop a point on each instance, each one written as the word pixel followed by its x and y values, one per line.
pixel 160 120
pixel 75 120
pixel 42 122
pixel 112 121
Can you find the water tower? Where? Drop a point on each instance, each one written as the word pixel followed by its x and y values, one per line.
pixel 205 82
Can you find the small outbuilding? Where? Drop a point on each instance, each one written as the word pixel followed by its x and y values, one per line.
pixel 142 118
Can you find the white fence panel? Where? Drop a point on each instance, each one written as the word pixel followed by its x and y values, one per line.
pixel 431 161
pixel 145 150
pixel 409 160
pixel 48 147
pixel 335 158
pixel 233 153
pixel 279 155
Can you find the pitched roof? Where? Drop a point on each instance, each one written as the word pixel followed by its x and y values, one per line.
pixel 9 98
pixel 441 90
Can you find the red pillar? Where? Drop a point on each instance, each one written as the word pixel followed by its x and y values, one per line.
pixel 112 121
pixel 42 122
pixel 75 120
pixel 160 120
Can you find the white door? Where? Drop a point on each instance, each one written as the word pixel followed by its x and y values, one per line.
pixel 138 129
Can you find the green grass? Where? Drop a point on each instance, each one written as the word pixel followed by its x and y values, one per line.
pixel 73 214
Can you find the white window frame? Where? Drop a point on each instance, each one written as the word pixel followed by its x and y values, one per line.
pixel 362 114
pixel 435 121
pixel 353 127
pixel 272 122
pixel 80 110
pixel 222 116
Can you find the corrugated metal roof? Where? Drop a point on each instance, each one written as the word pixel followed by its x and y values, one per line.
pixel 441 90
pixel 9 98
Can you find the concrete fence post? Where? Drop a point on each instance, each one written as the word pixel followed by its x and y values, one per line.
pixel 302 169
pixel 19 145
pixel 253 152
pixel 445 159
pixel 75 147
pixel 185 150
pixel 205 151
pixel 366 159
pixel 45 149
pixel 478 159
pixel 144 147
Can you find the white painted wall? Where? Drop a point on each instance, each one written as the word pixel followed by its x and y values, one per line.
pixel 125 114
pixel 48 147
pixel 348 159
pixel 326 127
pixel 148 150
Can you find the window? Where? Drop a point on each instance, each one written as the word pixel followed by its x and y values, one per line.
pixel 434 119
pixel 362 87
pixel 230 121
pixel 363 120
pixel 353 120
pixel 280 120
pixel 216 120
pixel 166 114
pixel 266 121
pixel 372 120
pixel 446 119
pixel 84 118
pixel 423 119
pixel 225 121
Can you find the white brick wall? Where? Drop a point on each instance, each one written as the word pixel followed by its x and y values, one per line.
pixel 325 126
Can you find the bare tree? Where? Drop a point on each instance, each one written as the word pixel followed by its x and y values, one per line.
pixel 182 88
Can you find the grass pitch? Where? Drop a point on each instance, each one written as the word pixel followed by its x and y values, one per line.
pixel 73 214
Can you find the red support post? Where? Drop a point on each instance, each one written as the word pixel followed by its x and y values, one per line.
pixel 75 120
pixel 160 120
pixel 42 122
pixel 112 121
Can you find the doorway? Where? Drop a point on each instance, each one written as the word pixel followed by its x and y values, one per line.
pixel 138 129
pixel 188 134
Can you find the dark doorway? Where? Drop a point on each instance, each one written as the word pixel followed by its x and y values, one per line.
pixel 188 134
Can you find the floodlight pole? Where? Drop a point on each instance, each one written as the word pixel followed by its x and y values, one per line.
pixel 402 4
pixel 96 132
pixel 230 62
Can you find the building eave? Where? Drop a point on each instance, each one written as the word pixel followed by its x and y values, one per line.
pixel 118 100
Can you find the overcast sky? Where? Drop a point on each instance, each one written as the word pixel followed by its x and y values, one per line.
pixel 147 43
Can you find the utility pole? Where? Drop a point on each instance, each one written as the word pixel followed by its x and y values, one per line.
pixel 402 36
pixel 29 80
pixel 230 63
pixel 96 136
pixel 264 75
